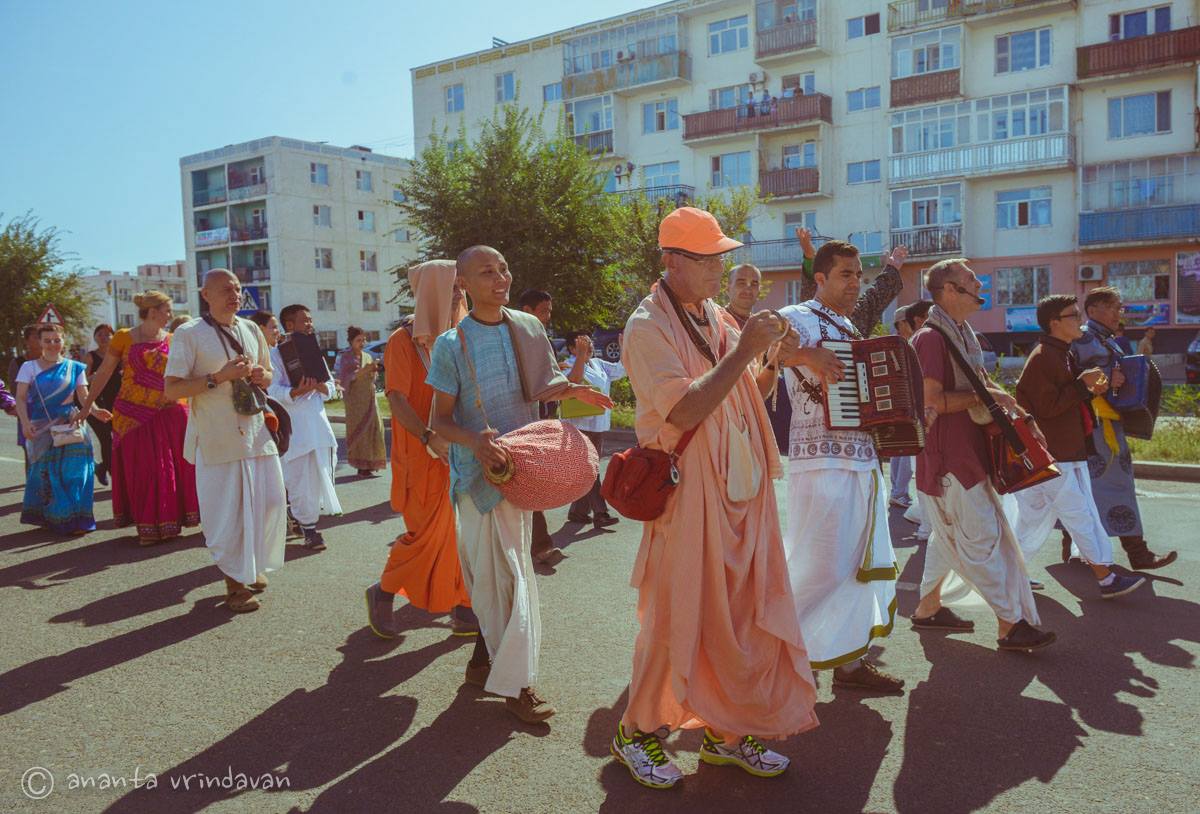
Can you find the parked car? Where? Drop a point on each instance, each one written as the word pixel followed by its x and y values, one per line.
pixel 1192 361
pixel 606 341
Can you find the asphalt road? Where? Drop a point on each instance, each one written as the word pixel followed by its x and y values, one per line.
pixel 118 662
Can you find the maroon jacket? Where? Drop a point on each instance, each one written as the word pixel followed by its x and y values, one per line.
pixel 1050 390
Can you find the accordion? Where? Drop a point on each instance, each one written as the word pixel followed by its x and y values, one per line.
pixel 882 393
pixel 1138 398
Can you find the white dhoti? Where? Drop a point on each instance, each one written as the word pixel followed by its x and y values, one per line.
pixel 243 513
pixel 493 550
pixel 841 562
pixel 972 537
pixel 309 480
pixel 1067 499
pixel 916 514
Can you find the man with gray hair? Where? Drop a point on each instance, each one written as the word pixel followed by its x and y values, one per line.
pixel 970 533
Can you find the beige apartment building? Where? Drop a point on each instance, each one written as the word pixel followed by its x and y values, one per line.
pixel 1052 142
pixel 301 222
pixel 115 290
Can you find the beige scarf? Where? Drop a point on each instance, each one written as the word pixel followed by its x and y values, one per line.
pixel 963 336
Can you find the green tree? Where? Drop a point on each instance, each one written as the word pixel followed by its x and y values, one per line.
pixel 33 271
pixel 536 198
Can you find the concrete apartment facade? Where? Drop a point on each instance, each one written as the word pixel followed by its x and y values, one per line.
pixel 301 222
pixel 1051 142
pixel 115 290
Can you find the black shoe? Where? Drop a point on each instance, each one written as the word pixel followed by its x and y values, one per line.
pixel 582 519
pixel 102 476
pixel 313 540
pixel 1025 637
pixel 1147 560
pixel 868 678
pixel 603 521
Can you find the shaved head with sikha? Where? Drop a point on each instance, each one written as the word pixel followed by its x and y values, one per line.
pixel 483 273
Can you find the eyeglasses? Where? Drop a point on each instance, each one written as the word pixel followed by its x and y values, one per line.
pixel 1073 315
pixel 696 258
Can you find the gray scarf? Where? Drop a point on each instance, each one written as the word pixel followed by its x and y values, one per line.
pixel 963 336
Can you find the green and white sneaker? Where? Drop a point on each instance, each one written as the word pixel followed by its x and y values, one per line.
pixel 643 755
pixel 748 753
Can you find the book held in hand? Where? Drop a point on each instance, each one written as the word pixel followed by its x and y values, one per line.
pixel 302 357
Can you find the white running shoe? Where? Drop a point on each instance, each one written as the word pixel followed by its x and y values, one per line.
pixel 643 755
pixel 747 753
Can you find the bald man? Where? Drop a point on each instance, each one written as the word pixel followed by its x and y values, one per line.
pixel 239 480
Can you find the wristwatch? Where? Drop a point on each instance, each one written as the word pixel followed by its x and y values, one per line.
pixel 425 436
pixel 210 381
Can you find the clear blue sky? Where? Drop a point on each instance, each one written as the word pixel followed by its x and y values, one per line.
pixel 100 100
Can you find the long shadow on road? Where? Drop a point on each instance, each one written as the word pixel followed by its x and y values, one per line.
pixel 89 559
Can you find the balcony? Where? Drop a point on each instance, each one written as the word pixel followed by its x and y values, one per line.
pixel 212 237
pixel 1139 54
pixel 790 183
pixel 930 241
pixel 1056 150
pixel 597 143
pixel 909 14
pixel 633 72
pixel 799 111
pixel 772 254
pixel 253 231
pixel 925 88
pixel 678 194
pixel 785 39
pixel 247 190
pixel 253 274
pixel 1139 225
pixel 211 195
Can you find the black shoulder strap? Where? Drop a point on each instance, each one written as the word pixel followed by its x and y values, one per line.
pixel 851 330
pixel 999 414
pixel 227 339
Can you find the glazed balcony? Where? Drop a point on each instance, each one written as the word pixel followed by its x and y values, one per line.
pixel 785 39
pixel 1052 151
pixel 799 111
pixel 790 183
pixel 632 73
pixel 679 194
pixel 212 237
pixel 1140 225
pixel 927 87
pixel 210 195
pixel 599 142
pixel 930 241
pixel 907 15
pixel 1170 48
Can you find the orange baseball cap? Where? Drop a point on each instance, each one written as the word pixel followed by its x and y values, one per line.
pixel 694 230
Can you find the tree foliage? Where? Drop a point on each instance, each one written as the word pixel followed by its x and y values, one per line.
pixel 33 272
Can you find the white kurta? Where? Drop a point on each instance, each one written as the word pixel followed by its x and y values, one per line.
pixel 244 511
pixel 493 549
pixel 838 546
pixel 308 464
pixel 1067 499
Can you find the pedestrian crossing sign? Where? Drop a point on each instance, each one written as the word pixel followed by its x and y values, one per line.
pixel 249 301
pixel 51 316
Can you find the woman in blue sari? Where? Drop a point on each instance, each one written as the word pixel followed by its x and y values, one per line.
pixel 58 489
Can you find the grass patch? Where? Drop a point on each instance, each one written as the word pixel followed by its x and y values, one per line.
pixel 1175 441
pixel 338 407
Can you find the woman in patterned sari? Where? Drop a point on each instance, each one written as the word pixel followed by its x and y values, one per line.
pixel 58 488
pixel 364 430
pixel 152 485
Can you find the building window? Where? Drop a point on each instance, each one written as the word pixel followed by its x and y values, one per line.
pixel 799 84
pixel 506 87
pixel 665 174
pixel 998 118
pixel 731 96
pixel 725 36
pixel 862 172
pixel 929 51
pixel 453 146
pixel 362 181
pixel 125 294
pixel 862 26
pixel 938 205
pixel 1141 280
pixel 798 156
pixel 403 236
pixel 1023 51
pixel 1139 23
pixel 318 174
pixel 372 336
pixel 1139 115
pixel 322 215
pixel 126 321
pixel 867 242
pixel 454 98
pixel 366 220
pixel 327 340
pixel 1144 182
pixel 590 115
pixel 552 92
pixel 1023 285
pixel 862 99
pixel 326 299
pixel 323 258
pixel 1019 208
pixel 794 288
pixel 731 170
pixel 370 300
pixel 794 220
pixel 660 116
pixel 367 261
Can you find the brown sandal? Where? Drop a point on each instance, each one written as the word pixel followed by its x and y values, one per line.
pixel 242 601
pixel 259 585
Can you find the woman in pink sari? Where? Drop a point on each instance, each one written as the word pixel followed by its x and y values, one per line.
pixel 152 485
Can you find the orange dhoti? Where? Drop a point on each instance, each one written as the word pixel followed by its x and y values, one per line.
pixel 423 564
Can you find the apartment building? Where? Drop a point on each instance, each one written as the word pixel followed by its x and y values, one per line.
pixel 1052 142
pixel 115 290
pixel 301 222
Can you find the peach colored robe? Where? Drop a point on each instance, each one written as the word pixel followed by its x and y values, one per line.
pixel 720 644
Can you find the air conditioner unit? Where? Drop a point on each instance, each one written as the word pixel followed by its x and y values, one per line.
pixel 1090 274
pixel 758 77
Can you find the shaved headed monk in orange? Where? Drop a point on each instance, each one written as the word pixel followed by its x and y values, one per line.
pixel 423 564
pixel 720 644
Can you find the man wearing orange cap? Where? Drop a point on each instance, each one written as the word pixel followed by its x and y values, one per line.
pixel 720 645
pixel 423 563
